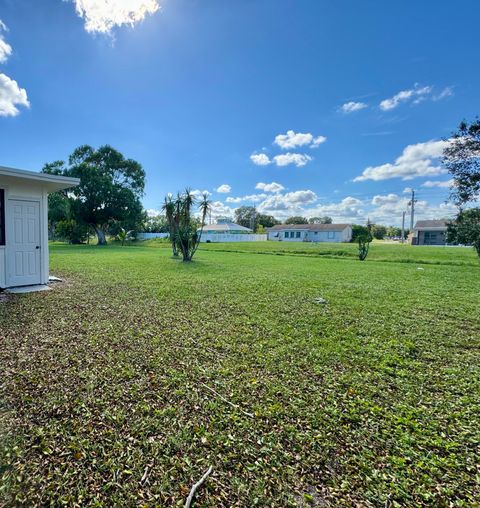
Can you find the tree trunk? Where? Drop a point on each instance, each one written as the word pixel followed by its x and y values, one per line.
pixel 102 240
pixel 185 250
pixel 476 244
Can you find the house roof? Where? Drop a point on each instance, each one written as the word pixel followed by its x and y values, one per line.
pixel 310 227
pixel 226 226
pixel 51 183
pixel 422 225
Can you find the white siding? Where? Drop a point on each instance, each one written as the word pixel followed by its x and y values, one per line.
pixel 2 267
pixel 149 236
pixel 220 238
pixel 292 235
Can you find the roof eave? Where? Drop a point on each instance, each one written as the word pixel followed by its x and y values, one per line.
pixel 51 182
pixel 443 228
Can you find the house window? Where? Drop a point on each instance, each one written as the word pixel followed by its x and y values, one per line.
pixel 2 217
pixel 431 237
pixel 331 234
pixel 298 234
pixel 287 234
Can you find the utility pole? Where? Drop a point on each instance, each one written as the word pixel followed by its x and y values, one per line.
pixel 412 210
pixel 403 226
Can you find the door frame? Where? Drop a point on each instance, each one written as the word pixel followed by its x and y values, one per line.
pixel 8 246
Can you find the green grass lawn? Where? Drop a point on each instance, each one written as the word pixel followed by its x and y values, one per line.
pixel 123 373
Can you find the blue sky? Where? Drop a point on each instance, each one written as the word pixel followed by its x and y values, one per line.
pixel 342 105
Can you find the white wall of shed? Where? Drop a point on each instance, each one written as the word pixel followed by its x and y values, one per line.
pixel 26 190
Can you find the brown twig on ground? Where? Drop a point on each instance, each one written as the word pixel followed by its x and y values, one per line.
pixel 145 476
pixel 197 486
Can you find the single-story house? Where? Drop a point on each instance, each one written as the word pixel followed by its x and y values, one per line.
pixel 310 232
pixel 429 232
pixel 224 228
pixel 24 225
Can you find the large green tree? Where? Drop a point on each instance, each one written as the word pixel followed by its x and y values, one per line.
pixel 58 202
pixel 155 224
pixel 246 216
pixel 378 231
pixel 462 159
pixel 393 231
pixel 110 188
pixel 465 229
pixel 297 219
pixel 267 221
pixel 320 220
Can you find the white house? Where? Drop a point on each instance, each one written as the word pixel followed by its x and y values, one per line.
pixel 224 231
pixel 225 228
pixel 311 233
pixel 24 225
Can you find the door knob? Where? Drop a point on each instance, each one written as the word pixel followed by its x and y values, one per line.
pixel 37 247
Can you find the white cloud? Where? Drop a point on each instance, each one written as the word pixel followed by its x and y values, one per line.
pixel 389 209
pixel 151 212
pixel 260 159
pixel 416 160
pixel 446 92
pixel 295 139
pixel 284 159
pixel 224 188
pixel 5 48
pixel 382 208
pixel 198 194
pixel 270 187
pixel 350 107
pixel 219 209
pixel 388 199
pixel 231 199
pixel 104 15
pixel 255 198
pixel 293 202
pixel 298 159
pixel 318 141
pixel 416 94
pixel 349 209
pixel 11 96
pixel 443 184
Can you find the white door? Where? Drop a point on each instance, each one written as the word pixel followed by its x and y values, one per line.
pixel 23 243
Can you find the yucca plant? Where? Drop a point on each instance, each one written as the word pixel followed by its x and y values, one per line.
pixel 185 229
